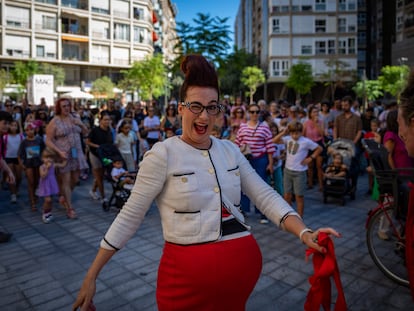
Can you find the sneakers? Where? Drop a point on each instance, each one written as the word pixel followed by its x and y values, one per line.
pixel 5 237
pixel 13 198
pixel 47 218
pixel 264 220
pixel 94 195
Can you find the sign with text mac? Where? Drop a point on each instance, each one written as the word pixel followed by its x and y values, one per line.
pixel 38 87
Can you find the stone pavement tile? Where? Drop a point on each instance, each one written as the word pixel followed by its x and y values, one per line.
pixel 146 302
pixel 58 303
pixel 120 279
pixel 21 304
pixel 137 292
pixel 47 296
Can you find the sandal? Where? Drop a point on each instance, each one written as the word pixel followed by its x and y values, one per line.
pixel 33 206
pixel 62 200
pixel 71 213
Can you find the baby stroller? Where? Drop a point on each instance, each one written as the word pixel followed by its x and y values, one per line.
pixel 109 153
pixel 340 186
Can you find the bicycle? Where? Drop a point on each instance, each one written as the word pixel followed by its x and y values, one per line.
pixel 385 225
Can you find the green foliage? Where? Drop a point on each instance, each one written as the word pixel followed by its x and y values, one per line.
pixel 370 89
pixel 103 87
pixel 57 72
pixel 338 72
pixel 300 78
pixel 210 36
pixel 394 78
pixel 252 77
pixel 231 69
pixel 4 79
pixel 23 70
pixel 148 76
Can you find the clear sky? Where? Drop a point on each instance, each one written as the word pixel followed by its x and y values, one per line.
pixel 188 9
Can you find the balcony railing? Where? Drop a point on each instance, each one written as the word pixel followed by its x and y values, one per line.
pixel 45 27
pixel 100 60
pixel 121 61
pixel 75 29
pixel 100 34
pixel 76 4
pixel 17 53
pixel 48 1
pixel 120 13
pixel 17 22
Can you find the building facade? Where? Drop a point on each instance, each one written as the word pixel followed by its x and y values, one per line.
pixel 404 37
pixel 319 32
pixel 88 38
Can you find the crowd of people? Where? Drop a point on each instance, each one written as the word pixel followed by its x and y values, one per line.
pixel 286 143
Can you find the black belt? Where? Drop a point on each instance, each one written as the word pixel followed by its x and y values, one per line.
pixel 232 226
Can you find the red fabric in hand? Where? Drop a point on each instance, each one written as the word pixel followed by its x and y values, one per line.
pixel 325 267
pixel 409 239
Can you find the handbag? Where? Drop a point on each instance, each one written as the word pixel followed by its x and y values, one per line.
pixel 247 152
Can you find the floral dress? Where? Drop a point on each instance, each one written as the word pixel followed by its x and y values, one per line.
pixel 67 137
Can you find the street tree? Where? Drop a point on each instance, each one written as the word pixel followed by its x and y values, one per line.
pixel 337 74
pixel 231 69
pixel 57 72
pixel 368 90
pixel 22 71
pixel 252 77
pixel 4 80
pixel 300 78
pixel 210 36
pixel 103 87
pixel 394 79
pixel 148 77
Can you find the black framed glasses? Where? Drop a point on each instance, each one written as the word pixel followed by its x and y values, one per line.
pixel 254 111
pixel 197 108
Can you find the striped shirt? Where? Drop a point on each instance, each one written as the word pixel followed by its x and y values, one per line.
pixel 259 139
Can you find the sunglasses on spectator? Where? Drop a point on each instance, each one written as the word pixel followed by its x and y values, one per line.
pixel 254 111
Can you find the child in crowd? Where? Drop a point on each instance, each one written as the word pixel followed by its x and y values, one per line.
pixel 169 132
pixel 216 131
pixel 337 168
pixel 124 141
pixel 48 185
pixel 376 136
pixel 278 156
pixel 297 160
pixel 143 143
pixel 29 157
pixel 12 141
pixel 121 176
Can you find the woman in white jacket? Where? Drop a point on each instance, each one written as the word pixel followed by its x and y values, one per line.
pixel 210 259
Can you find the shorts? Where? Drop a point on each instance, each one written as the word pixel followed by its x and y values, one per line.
pixel 294 181
pixel 14 161
pixel 95 161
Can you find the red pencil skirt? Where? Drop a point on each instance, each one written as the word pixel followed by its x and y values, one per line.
pixel 216 276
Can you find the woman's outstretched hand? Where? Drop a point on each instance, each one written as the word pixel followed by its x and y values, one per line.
pixel 85 295
pixel 311 239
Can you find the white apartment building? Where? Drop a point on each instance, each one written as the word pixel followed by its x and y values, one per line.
pixel 316 31
pixel 88 38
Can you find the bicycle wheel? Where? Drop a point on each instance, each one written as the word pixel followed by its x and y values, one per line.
pixel 386 249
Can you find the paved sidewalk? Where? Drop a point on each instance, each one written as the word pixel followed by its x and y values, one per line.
pixel 42 267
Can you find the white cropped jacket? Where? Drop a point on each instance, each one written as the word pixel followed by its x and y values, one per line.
pixel 187 185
